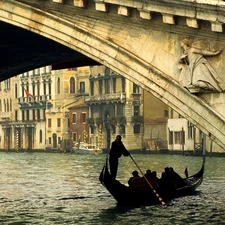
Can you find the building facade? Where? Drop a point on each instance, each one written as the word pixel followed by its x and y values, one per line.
pixel 185 138
pixel 115 107
pixel 52 110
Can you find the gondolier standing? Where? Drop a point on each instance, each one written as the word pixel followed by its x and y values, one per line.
pixel 117 149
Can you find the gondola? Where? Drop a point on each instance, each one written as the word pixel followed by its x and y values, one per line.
pixel 125 195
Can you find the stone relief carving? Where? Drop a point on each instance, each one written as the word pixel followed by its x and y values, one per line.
pixel 197 75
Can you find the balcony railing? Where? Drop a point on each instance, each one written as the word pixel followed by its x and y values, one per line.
pixel 20 123
pixel 32 99
pixel 136 96
pixel 106 97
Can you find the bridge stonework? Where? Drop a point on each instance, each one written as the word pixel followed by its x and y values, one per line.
pixel 142 40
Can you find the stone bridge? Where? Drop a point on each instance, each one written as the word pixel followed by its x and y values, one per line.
pixel 140 39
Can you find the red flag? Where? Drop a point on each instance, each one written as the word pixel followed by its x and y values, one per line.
pixel 27 93
pixel 186 172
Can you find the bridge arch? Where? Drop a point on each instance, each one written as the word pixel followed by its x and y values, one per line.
pixel 82 38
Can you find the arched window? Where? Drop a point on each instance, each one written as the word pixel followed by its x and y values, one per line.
pixel 7 105
pixel 38 88
pixel 33 88
pixel 44 87
pixel 23 92
pixel 16 90
pixel 58 85
pixel 49 88
pixel 10 106
pixel 40 136
pixel 72 85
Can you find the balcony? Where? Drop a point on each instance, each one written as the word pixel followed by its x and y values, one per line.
pixel 31 99
pixel 106 98
pixel 5 115
pixel 136 98
pixel 19 123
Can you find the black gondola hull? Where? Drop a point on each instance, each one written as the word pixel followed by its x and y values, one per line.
pixel 136 197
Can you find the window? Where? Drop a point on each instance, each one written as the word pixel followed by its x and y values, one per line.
pixel 83 117
pixel 135 88
pixel 16 90
pixel 38 114
pixel 38 88
pixel 107 71
pixel 7 106
pixel 123 84
pixel 33 89
pixel 7 84
pixel 40 136
pixel 166 113
pixel 137 128
pixel 49 123
pixel 44 86
pixel 50 89
pixel 100 86
pixel 58 122
pixel 33 114
pixel 74 118
pixel 92 87
pixel 82 87
pixel 23 116
pixel 28 114
pixel 68 122
pixel 107 86
pixel 136 110
pixel 49 141
pixel 58 85
pixel 170 137
pixel 72 85
pixel 177 137
pixel 16 115
pixel 114 85
pixel 74 136
pixel 120 109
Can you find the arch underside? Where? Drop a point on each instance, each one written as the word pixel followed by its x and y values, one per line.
pixel 83 41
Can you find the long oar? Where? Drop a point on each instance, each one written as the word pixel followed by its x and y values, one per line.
pixel 157 195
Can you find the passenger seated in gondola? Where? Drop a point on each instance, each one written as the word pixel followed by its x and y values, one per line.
pixel 150 179
pixel 176 178
pixel 170 179
pixel 148 173
pixel 166 180
pixel 154 175
pixel 135 181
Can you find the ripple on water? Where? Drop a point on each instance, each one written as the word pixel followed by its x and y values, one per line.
pixel 51 189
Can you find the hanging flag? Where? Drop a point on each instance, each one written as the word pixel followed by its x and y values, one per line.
pixel 186 172
pixel 27 93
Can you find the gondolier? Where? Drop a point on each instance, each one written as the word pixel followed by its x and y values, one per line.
pixel 117 149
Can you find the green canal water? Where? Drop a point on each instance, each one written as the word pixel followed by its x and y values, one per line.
pixel 52 188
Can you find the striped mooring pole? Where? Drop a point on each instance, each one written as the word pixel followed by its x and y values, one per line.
pixel 17 140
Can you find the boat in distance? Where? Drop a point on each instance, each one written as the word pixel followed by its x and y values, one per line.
pixel 85 148
pixel 128 196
